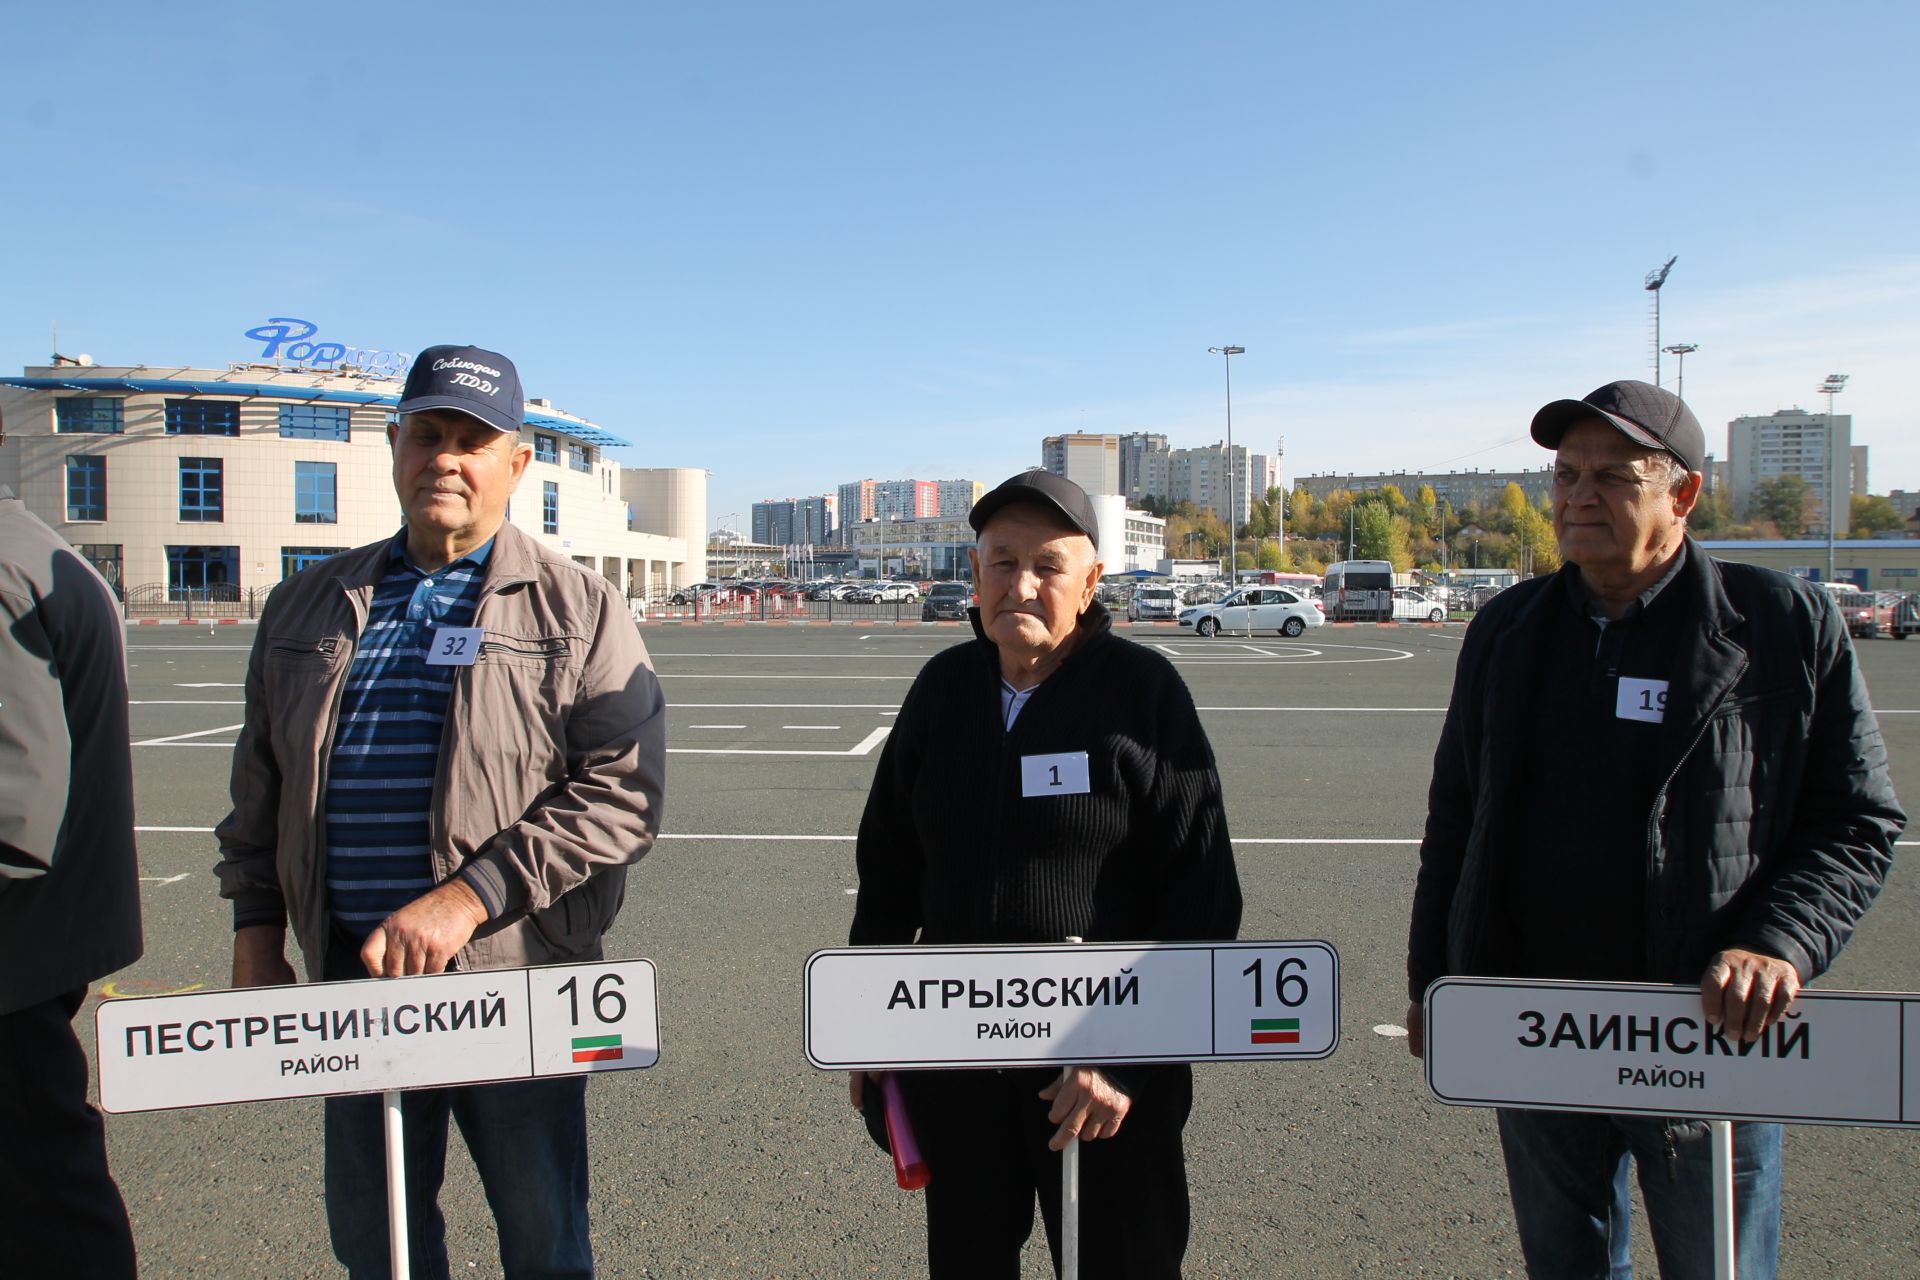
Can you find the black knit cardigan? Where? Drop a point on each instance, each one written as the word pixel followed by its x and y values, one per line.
pixel 950 851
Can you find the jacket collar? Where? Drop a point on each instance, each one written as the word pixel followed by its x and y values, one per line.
pixel 1095 625
pixel 512 560
pixel 1708 662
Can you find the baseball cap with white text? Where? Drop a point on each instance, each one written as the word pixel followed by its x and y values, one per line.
pixel 471 380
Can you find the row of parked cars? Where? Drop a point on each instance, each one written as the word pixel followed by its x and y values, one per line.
pixel 749 590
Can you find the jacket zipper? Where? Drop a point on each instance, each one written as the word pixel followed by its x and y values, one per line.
pixel 555 649
pixel 1660 804
pixel 325 646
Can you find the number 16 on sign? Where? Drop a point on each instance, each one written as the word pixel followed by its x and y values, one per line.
pixel 1280 1000
pixel 593 1017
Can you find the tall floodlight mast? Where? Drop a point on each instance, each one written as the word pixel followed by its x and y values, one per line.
pixel 1834 384
pixel 1680 351
pixel 1656 278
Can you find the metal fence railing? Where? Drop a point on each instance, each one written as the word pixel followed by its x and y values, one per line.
pixel 216 600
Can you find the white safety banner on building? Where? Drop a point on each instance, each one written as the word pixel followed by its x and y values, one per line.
pixel 369 1036
pixel 1839 1057
pixel 889 1007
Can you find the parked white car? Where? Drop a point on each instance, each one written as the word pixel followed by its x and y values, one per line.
pixel 881 592
pixel 1410 605
pixel 1153 604
pixel 1255 609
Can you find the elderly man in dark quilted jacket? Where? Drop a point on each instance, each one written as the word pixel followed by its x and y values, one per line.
pixel 1655 767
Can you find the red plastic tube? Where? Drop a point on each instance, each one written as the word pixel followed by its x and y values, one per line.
pixel 909 1169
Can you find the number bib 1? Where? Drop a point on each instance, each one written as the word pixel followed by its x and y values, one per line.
pixel 1064 774
pixel 454 646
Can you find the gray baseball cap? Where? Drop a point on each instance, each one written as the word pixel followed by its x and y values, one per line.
pixel 1056 493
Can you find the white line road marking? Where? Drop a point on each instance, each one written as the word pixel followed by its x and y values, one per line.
pixel 1341 709
pixel 716 726
pixel 785 706
pixel 693 675
pixel 1265 840
pixel 822 727
pixel 864 747
pixel 186 702
pixel 165 879
pixel 212 685
pixel 1254 648
pixel 195 830
pixel 754 657
pixel 188 648
pixel 181 737
pixel 889 713
pixel 1167 648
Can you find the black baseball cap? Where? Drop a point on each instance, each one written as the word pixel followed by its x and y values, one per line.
pixel 1650 416
pixel 471 380
pixel 1056 493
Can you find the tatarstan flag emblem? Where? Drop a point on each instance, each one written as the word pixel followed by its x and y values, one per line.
pixel 599 1048
pixel 1266 1031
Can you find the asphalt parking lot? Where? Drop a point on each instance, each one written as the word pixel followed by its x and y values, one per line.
pixel 733 1157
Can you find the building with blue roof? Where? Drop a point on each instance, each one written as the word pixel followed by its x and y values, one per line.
pixel 197 485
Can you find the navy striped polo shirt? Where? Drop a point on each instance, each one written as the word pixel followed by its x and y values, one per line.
pixel 386 744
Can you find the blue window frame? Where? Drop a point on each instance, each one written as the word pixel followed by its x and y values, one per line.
pixel 203 417
pixel 89 415
pixel 203 573
pixel 580 457
pixel 314 493
pixel 294 559
pixel 315 421
pixel 86 486
pixel 545 448
pixel 549 507
pixel 202 490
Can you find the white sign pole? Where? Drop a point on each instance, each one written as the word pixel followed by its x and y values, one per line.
pixel 1070 1187
pixel 1722 1134
pixel 396 1185
pixel 1070 1209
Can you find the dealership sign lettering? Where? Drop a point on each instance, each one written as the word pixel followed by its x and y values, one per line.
pixel 288 338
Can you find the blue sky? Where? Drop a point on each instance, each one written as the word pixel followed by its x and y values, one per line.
pixel 802 244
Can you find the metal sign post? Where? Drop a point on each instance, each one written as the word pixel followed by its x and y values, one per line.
pixel 396 1186
pixel 886 1008
pixel 380 1035
pixel 1723 1224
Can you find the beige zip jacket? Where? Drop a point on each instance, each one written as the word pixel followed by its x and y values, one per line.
pixel 552 762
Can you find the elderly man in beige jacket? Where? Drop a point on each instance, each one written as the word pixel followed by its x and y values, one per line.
pixel 454 747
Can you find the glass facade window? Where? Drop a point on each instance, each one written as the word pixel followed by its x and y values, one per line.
pixel 580 457
pixel 315 421
pixel 89 415
pixel 549 507
pixel 203 573
pixel 294 559
pixel 86 486
pixel 202 486
pixel 203 418
pixel 104 557
pixel 314 489
pixel 545 448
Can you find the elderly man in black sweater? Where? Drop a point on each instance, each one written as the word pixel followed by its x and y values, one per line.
pixel 957 846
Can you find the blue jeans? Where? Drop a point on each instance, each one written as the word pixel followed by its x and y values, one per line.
pixel 1568 1176
pixel 528 1139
